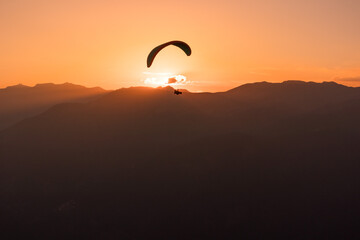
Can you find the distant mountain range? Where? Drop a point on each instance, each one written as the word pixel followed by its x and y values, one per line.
pixel 260 161
pixel 20 101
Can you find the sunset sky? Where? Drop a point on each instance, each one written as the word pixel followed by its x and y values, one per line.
pixel 105 42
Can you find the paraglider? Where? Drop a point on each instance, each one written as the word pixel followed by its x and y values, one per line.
pixel 182 45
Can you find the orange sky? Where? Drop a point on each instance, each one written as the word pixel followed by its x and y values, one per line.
pixel 105 42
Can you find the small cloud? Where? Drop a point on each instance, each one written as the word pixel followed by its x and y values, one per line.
pixel 350 79
pixel 178 80
pixel 172 80
pixel 165 79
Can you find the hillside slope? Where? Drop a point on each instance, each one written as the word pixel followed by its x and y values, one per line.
pixel 260 161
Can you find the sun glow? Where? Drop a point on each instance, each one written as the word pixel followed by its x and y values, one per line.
pixel 164 79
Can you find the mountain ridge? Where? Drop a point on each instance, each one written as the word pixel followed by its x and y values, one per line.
pixel 40 85
pixel 20 101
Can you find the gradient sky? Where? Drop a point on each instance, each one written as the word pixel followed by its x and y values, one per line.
pixel 105 42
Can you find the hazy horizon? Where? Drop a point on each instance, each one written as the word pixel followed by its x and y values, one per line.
pixel 174 87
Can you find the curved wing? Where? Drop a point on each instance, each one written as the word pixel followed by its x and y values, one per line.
pixel 184 46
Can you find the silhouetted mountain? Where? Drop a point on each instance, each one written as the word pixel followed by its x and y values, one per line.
pixel 20 101
pixel 261 161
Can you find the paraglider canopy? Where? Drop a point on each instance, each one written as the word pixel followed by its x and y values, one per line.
pixel 184 46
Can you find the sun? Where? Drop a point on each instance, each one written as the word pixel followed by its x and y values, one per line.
pixel 164 79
